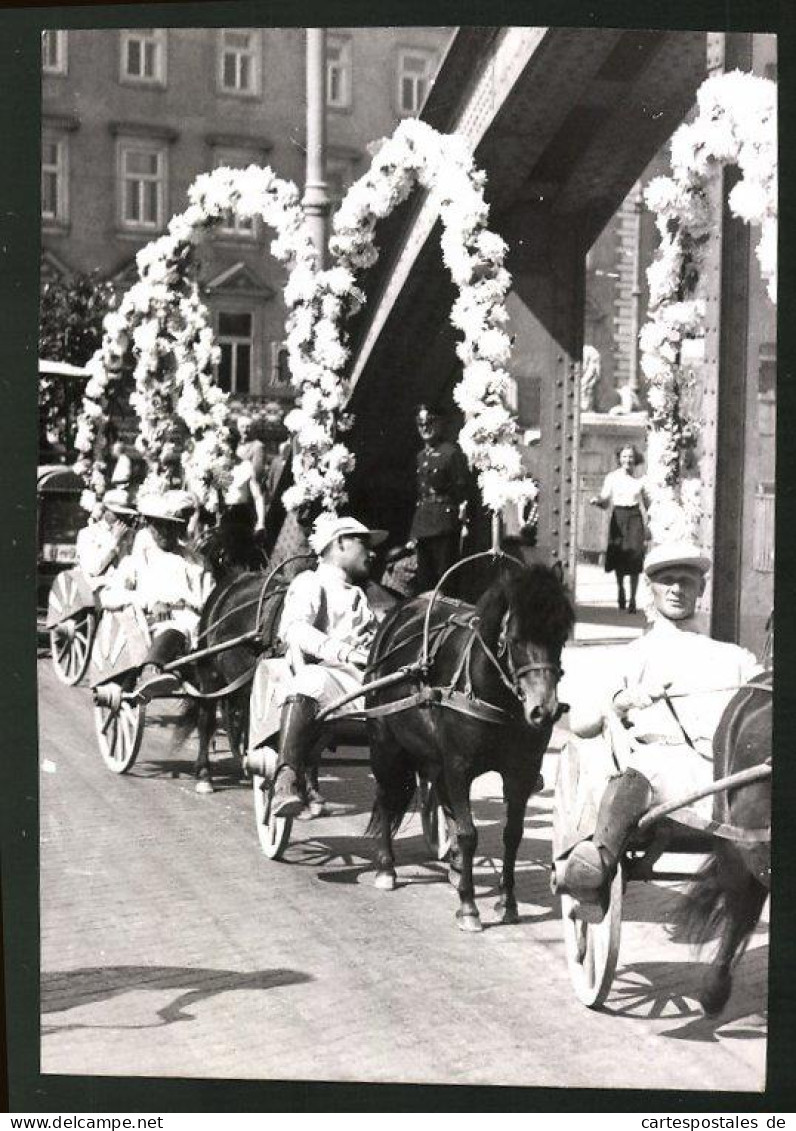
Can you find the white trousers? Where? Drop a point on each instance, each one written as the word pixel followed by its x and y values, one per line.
pixel 275 681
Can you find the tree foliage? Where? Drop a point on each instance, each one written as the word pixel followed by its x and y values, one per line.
pixel 70 329
pixel 70 317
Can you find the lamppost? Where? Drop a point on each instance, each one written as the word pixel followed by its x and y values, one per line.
pixel 316 194
pixel 638 267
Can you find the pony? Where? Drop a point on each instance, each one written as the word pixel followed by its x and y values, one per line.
pixel 237 606
pixel 496 667
pixel 730 890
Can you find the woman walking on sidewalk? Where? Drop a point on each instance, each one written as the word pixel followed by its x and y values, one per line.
pixel 625 493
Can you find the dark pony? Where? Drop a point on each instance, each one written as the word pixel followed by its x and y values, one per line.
pixel 729 892
pixel 501 658
pixel 231 610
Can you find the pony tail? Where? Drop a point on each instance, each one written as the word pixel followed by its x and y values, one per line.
pixel 187 723
pixel 701 913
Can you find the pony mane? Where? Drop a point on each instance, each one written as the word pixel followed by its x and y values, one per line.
pixel 539 601
pixel 228 550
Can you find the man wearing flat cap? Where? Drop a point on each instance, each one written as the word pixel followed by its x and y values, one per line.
pixel 102 544
pixel 442 483
pixel 159 580
pixel 327 627
pixel 673 687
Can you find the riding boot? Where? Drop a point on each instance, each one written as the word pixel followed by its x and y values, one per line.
pixel 592 864
pixel 296 735
pixel 153 681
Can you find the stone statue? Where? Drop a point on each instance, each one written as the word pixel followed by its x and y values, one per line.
pixel 589 379
pixel 628 402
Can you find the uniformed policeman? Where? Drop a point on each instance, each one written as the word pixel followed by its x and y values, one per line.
pixel 673 687
pixel 441 510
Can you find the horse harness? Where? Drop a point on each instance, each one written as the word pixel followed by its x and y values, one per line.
pixel 450 697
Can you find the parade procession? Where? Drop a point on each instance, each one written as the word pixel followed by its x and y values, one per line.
pixel 356 761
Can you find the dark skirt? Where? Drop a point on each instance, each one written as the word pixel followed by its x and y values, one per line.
pixel 625 552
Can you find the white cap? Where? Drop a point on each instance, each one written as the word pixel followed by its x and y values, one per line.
pixel 169 507
pixel 117 500
pixel 676 554
pixel 328 527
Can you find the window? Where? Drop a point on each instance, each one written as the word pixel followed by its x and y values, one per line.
pixel 53 52
pixel 235 343
pixel 54 157
pixel 338 73
pixel 234 225
pixel 143 184
pixel 416 69
pixel 280 364
pixel 239 63
pixel 144 56
pixel 339 175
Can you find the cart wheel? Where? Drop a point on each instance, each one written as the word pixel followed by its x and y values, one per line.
pixel 434 820
pixel 70 646
pixel 119 734
pixel 274 832
pixel 593 948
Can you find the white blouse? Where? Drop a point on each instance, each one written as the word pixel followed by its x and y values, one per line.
pixel 622 490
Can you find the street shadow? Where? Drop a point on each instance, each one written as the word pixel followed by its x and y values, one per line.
pixel 670 991
pixel 69 989
pixel 226 770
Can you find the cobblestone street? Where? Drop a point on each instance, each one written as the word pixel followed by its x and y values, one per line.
pixel 172 947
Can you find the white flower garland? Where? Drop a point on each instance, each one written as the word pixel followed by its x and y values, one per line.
pixel 415 155
pixel 736 124
pixel 165 321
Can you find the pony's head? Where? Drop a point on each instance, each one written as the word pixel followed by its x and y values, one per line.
pixel 228 550
pixel 526 617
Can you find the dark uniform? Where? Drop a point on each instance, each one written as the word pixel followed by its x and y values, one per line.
pixel 441 489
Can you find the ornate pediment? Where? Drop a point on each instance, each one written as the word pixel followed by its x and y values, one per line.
pixel 238 279
pixel 52 268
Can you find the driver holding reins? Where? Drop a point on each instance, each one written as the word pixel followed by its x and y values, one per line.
pixel 327 626
pixel 673 688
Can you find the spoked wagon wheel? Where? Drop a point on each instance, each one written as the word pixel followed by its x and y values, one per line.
pixel 70 646
pixel 593 948
pixel 435 823
pixel 273 832
pixel 119 733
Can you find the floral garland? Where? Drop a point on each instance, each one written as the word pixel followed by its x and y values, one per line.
pixel 165 321
pixel 736 124
pixel 415 155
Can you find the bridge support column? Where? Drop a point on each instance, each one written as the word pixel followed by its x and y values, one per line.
pixel 546 305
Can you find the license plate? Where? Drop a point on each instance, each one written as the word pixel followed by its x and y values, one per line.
pixel 58 553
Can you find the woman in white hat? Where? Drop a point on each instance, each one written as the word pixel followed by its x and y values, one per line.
pixel 158 579
pixel 326 619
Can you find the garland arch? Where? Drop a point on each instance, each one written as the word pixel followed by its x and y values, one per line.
pixel 415 155
pixel 164 320
pixel 163 317
pixel 736 124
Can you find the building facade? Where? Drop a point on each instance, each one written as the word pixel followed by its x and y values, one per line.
pixel 130 117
